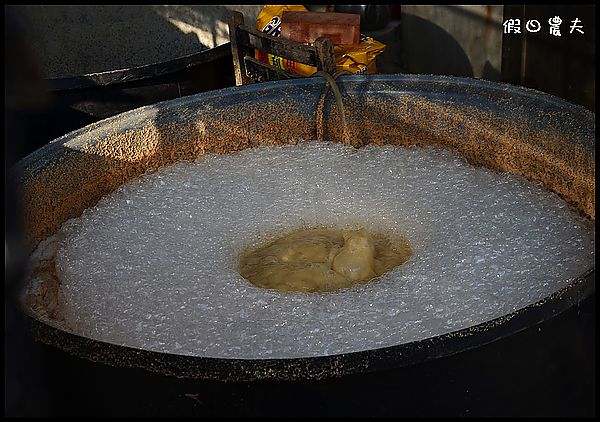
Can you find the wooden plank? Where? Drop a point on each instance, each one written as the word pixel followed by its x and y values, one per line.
pixel 281 47
pixel 325 55
pixel 236 20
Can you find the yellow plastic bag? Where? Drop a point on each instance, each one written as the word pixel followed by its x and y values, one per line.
pixel 269 18
pixel 356 58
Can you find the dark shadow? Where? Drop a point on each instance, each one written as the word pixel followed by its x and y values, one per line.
pixel 436 51
pixel 26 380
pixel 71 41
pixel 490 72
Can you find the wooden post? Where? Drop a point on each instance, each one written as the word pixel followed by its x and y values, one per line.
pixel 235 20
pixel 325 55
pixel 512 47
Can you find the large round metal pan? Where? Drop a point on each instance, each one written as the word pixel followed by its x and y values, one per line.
pixel 495 125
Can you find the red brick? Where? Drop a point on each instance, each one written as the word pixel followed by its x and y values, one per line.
pixel 342 28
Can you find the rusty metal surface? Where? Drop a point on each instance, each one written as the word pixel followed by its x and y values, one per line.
pixel 494 125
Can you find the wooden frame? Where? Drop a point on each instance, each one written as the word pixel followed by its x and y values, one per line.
pixel 247 69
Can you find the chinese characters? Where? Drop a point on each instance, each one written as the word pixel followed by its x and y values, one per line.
pixel 513 26
pixel 555 25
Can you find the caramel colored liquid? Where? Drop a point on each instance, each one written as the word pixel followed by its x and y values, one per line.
pixel 312 260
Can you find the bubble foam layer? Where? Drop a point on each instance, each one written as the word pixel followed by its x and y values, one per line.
pixel 154 265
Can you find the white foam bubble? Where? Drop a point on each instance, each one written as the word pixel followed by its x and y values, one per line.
pixel 153 265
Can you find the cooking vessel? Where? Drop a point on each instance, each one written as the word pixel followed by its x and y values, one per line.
pixel 499 126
